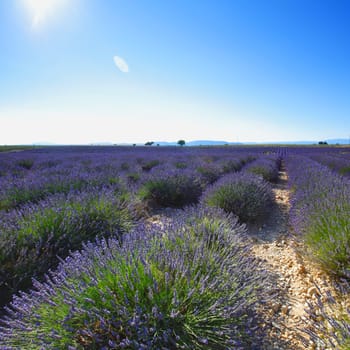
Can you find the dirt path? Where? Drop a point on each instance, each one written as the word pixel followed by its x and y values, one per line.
pixel 275 245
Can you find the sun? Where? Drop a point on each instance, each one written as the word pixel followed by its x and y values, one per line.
pixel 40 10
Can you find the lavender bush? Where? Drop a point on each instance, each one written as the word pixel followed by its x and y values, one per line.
pixel 233 165
pixel 164 288
pixel 31 239
pixel 320 213
pixel 25 163
pixel 209 173
pixel 266 167
pixel 328 324
pixel 181 164
pixel 171 188
pixel 245 195
pixel 40 185
pixel 150 164
pixel 335 162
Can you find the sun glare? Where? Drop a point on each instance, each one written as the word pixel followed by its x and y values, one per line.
pixel 40 10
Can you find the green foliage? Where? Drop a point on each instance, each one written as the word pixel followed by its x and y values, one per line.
pixel 181 165
pixel 16 148
pixel 32 244
pixel 147 166
pixel 124 166
pixel 174 190
pixel 268 173
pixel 328 238
pixel 320 214
pixel 345 170
pixel 17 196
pixel 331 310
pixel 232 166
pixel 25 163
pixel 133 177
pixel 161 289
pixel 181 142
pixel 209 173
pixel 247 196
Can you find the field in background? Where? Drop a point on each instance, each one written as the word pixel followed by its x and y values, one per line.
pixel 15 148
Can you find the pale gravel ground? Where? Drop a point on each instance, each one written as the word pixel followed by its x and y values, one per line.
pixel 278 248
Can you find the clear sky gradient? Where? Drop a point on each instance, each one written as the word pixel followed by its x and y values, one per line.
pixel 82 71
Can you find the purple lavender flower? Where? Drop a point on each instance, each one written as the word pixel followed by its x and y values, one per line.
pixel 320 213
pixel 190 284
pixel 245 195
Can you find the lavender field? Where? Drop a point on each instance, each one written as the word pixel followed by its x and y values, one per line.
pixel 150 247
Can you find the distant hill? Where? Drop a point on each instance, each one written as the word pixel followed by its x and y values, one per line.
pixel 338 141
pixel 210 143
pixel 197 143
pixel 306 142
pixel 101 144
pixel 44 143
pixel 220 142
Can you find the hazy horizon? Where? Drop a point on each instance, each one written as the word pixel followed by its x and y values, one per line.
pixel 333 141
pixel 86 71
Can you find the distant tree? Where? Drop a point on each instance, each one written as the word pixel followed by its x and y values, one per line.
pixel 134 144
pixel 181 142
pixel 149 143
pixel 323 143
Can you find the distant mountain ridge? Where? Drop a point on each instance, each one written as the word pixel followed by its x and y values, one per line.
pixel 339 141
pixel 220 142
pixel 198 143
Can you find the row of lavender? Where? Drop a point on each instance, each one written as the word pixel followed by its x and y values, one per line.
pixel 188 284
pixel 321 212
pixel 320 215
pixel 335 158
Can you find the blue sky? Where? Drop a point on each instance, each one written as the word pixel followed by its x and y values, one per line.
pixel 233 70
